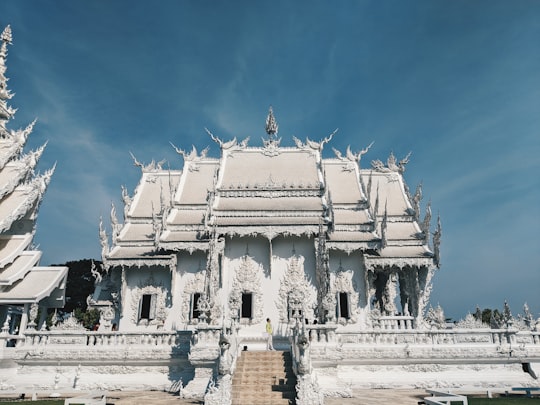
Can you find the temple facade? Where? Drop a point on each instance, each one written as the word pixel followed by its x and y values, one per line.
pixel 25 286
pixel 268 232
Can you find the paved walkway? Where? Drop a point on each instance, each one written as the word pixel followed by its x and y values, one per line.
pixel 363 397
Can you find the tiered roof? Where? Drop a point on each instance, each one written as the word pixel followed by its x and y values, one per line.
pixel 272 190
pixel 21 192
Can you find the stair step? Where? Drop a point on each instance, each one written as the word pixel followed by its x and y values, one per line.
pixel 264 377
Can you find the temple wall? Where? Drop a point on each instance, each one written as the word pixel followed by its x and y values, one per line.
pixel 347 274
pixel 266 268
pixel 140 281
pixel 284 248
pixel 256 276
pixel 189 279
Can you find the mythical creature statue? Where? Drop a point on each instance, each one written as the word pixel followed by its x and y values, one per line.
pixel 225 357
pixel 304 360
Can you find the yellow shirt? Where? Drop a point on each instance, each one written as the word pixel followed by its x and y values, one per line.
pixel 268 328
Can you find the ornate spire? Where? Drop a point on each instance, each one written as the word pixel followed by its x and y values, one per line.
pixel 271 124
pixel 6 35
pixel 6 112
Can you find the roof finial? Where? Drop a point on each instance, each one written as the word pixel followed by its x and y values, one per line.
pixel 271 124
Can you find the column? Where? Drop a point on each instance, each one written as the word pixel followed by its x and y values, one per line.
pixel 42 318
pixel 24 319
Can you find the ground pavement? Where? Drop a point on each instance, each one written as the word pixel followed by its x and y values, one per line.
pixel 362 397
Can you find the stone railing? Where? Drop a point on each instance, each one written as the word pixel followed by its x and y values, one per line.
pixel 8 340
pixel 308 391
pixel 206 335
pixel 90 338
pixel 394 323
pixel 324 333
pixel 440 337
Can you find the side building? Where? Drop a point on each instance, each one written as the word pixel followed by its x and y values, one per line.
pixel 25 286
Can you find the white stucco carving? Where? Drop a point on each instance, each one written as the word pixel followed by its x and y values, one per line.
pixel 194 284
pixel 344 283
pixel 149 286
pixel 296 292
pixel 247 279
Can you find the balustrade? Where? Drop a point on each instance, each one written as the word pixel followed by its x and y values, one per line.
pixel 90 338
pixel 495 337
pixel 318 334
pixel 325 333
pixel 396 322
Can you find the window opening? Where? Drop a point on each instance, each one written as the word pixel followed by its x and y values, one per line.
pixel 148 307
pixel 343 305
pixel 195 313
pixel 247 304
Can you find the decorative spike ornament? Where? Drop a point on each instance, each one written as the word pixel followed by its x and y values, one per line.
pixel 426 223
pixel 104 240
pixel 271 124
pixel 384 226
pixel 437 243
pixel 416 201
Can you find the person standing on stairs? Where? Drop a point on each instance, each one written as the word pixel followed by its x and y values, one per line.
pixel 269 332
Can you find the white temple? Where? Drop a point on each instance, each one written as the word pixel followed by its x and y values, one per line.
pixel 334 251
pixel 25 287
pixel 269 232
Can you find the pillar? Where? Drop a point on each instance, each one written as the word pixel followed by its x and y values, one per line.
pixel 24 319
pixel 42 318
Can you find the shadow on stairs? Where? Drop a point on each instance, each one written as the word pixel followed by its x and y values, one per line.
pixel 264 378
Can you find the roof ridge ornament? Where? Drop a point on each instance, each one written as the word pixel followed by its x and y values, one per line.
pixel 392 165
pixel 193 155
pixel 233 143
pixel 149 168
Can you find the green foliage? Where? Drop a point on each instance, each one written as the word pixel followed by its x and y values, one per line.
pixel 88 318
pixel 80 284
pixel 488 316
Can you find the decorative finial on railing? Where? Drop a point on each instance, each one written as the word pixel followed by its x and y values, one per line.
pixel 271 124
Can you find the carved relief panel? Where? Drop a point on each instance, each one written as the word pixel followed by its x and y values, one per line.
pixel 296 293
pixel 344 288
pixel 193 286
pixel 247 283
pixel 148 303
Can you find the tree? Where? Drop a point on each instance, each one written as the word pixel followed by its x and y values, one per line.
pixel 80 284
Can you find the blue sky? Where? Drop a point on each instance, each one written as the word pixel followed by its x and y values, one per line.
pixel 455 82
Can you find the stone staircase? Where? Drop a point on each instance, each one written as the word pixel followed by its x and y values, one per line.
pixel 264 378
